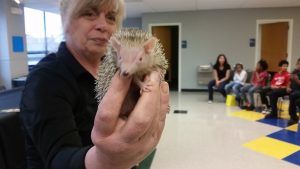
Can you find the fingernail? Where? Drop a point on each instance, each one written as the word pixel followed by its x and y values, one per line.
pixel 153 76
pixel 165 87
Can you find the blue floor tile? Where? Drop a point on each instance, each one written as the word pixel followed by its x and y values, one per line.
pixel 287 136
pixel 294 158
pixel 275 122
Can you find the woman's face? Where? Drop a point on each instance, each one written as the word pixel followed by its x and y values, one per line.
pixel 222 60
pixel 89 33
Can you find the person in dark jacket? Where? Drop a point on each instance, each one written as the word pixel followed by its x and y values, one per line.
pixel 294 90
pixel 64 125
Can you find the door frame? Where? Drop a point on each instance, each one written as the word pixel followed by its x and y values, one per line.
pixel 179 47
pixel 259 22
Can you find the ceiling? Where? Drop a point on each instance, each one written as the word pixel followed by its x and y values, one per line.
pixel 135 8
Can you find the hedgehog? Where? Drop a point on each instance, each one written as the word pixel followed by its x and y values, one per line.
pixel 135 53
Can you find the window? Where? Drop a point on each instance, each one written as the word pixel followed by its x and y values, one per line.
pixel 43 33
pixel 54 31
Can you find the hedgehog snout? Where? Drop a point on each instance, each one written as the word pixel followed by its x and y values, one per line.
pixel 125 73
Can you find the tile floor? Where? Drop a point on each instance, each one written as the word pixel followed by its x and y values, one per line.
pixel 209 137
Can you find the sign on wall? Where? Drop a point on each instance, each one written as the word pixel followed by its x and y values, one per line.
pixel 184 44
pixel 252 42
pixel 17 43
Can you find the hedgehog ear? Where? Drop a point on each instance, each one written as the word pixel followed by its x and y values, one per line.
pixel 115 44
pixel 149 45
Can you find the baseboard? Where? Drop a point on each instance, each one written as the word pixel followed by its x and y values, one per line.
pixel 194 90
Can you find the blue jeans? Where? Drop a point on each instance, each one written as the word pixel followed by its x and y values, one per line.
pixel 234 87
pixel 249 90
pixel 221 89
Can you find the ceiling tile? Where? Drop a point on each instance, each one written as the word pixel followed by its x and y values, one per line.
pixel 271 3
pixel 135 8
pixel 172 5
pixel 218 4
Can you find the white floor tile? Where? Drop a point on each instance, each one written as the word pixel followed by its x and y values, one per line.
pixel 206 138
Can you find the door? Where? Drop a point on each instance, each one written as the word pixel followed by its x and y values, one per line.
pixel 274 42
pixel 168 36
pixel 163 33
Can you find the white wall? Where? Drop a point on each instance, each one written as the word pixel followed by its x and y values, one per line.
pixel 4 49
pixel 18 60
pixel 133 23
pixel 211 32
pixel 12 64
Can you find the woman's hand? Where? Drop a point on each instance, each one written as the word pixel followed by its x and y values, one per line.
pixel 121 143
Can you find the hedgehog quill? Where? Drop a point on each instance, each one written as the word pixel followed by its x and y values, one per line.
pixel 135 53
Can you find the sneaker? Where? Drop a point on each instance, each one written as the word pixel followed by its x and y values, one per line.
pixel 271 116
pixel 210 102
pixel 250 108
pixel 266 111
pixel 292 122
pixel 243 107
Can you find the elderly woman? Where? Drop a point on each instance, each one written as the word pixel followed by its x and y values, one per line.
pixel 64 125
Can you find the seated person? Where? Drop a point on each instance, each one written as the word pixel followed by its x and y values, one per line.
pixel 278 88
pixel 221 74
pixel 258 81
pixel 294 90
pixel 239 80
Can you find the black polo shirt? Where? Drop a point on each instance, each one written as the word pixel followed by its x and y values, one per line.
pixel 58 107
pixel 222 73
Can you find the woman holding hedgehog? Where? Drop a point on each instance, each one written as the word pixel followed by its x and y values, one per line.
pixel 64 125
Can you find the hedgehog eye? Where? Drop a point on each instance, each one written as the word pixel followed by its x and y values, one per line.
pixel 141 59
pixel 120 57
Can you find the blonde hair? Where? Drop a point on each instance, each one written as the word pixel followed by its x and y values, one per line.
pixel 71 9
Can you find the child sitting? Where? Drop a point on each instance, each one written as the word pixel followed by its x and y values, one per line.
pixel 258 81
pixel 239 79
pixel 278 88
pixel 294 90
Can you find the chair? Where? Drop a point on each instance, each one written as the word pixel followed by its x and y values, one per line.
pixel 280 102
pixel 12 142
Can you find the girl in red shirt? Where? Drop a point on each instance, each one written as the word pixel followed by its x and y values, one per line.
pixel 258 81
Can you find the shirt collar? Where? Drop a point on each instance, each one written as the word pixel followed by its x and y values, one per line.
pixel 66 56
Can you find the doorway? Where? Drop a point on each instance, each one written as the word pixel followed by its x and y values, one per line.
pixel 274 42
pixel 169 36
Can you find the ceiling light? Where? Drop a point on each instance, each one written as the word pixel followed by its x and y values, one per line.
pixel 18 1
